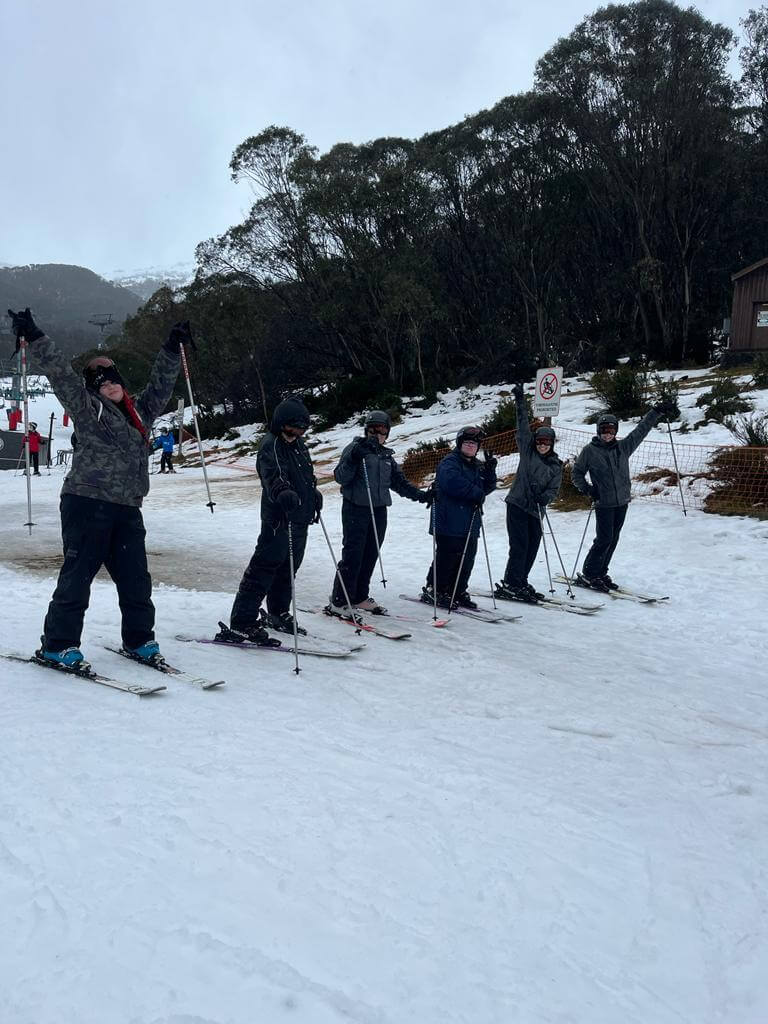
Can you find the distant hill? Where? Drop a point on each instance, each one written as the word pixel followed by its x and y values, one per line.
pixel 145 282
pixel 63 299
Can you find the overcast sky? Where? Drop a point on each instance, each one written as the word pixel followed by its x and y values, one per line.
pixel 119 118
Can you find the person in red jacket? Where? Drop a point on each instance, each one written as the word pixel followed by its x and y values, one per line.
pixel 34 447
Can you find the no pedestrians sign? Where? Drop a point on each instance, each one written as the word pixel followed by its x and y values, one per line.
pixel 546 400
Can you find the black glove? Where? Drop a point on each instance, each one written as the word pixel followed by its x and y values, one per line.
pixel 23 326
pixel 180 334
pixel 592 492
pixel 318 506
pixel 518 392
pixel 362 446
pixel 491 461
pixel 668 409
pixel 287 500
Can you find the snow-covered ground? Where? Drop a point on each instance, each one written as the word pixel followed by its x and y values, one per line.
pixel 556 821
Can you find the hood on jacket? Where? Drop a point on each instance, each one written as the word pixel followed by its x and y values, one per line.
pixel 290 411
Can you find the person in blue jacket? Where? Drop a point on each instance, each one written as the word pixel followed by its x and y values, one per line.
pixel 461 485
pixel 165 441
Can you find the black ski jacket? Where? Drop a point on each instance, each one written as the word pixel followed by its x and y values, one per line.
pixel 538 477
pixel 607 463
pixel 384 475
pixel 279 462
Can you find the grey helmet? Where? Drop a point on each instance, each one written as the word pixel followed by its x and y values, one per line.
pixel 545 434
pixel 607 419
pixel 378 418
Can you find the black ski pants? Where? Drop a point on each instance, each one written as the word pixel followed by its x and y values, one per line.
pixel 449 552
pixel 268 574
pixel 166 462
pixel 358 551
pixel 96 533
pixel 524 532
pixel 609 522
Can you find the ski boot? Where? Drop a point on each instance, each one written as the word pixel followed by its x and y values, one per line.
pixel 341 611
pixel 69 660
pixel 148 653
pixel 443 600
pixel 369 605
pixel 465 601
pixel 593 583
pixel 506 592
pixel 283 623
pixel 609 582
pixel 251 634
pixel 534 593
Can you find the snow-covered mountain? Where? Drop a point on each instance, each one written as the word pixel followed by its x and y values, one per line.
pixel 146 280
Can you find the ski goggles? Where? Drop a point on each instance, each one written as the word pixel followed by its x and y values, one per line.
pixel 543 442
pixel 608 428
pixel 97 376
pixel 377 428
pixel 294 429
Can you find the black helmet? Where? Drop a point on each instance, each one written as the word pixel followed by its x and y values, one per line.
pixel 470 434
pixel 544 434
pixel 607 419
pixel 378 418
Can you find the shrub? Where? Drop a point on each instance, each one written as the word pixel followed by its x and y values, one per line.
pixel 743 479
pixel 343 398
pixel 667 391
pixel 722 400
pixel 750 430
pixel 760 370
pixel 504 417
pixel 422 460
pixel 623 391
pixel 568 498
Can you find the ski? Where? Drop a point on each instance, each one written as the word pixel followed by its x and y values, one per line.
pixel 620 594
pixel 89 675
pixel 436 623
pixel 549 603
pixel 481 614
pixel 314 650
pixel 169 670
pixel 366 627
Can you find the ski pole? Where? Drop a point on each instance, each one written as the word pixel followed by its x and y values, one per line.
pixel 23 357
pixel 677 471
pixel 50 443
pixel 463 556
pixel 352 615
pixel 557 549
pixel 488 562
pixel 578 553
pixel 434 562
pixel 546 553
pixel 293 600
pixel 210 503
pixel 373 522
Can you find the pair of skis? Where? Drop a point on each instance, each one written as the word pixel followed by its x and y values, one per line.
pixel 549 603
pixel 619 594
pixel 89 674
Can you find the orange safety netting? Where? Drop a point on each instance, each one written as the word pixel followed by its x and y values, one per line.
pixel 731 480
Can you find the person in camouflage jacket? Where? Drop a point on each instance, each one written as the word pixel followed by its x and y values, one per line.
pixel 101 522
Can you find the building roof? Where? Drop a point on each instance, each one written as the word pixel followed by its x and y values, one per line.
pixel 749 269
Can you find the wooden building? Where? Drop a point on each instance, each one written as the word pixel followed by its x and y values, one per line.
pixel 749 311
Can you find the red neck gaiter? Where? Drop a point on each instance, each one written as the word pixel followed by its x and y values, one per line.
pixel 133 417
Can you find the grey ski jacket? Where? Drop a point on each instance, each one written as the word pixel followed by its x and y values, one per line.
pixel 111 460
pixel 538 478
pixel 608 465
pixel 384 475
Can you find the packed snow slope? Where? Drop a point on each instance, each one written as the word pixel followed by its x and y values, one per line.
pixel 560 820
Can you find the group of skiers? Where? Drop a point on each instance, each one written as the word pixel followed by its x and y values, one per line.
pixel 102 495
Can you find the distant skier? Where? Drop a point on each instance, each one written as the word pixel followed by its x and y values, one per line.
pixel 101 522
pixel 367 472
pixel 165 442
pixel 288 495
pixel 606 459
pixel 461 485
pixel 537 483
pixel 34 447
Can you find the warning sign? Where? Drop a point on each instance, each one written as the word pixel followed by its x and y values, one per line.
pixel 546 399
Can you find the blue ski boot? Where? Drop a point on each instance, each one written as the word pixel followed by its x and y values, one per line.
pixel 69 660
pixel 149 653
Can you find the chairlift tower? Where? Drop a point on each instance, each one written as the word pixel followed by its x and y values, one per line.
pixel 101 320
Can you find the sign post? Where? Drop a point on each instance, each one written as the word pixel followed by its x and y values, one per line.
pixel 546 399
